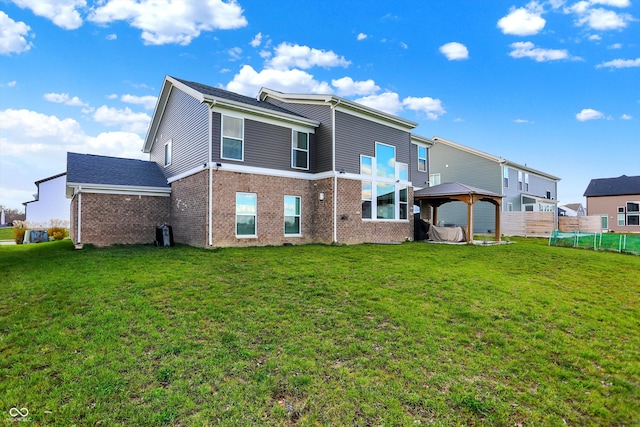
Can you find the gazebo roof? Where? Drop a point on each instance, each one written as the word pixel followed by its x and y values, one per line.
pixel 453 189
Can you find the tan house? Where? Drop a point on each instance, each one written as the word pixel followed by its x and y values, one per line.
pixel 617 201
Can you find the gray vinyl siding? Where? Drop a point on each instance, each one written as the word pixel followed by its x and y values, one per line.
pixel 469 169
pixel 184 122
pixel 419 179
pixel 538 186
pixel 321 149
pixel 265 145
pixel 356 136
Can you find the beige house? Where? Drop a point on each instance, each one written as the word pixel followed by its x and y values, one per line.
pixel 616 201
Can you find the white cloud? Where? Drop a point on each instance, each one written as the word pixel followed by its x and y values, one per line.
pixel 362 36
pixel 235 53
pixel 615 46
pixel 454 51
pixel 290 55
pixel 171 22
pixel 64 98
pixel 12 35
pixel 529 50
pixel 620 63
pixel 257 40
pixel 589 114
pixel 614 3
pixel 388 102
pixel 431 107
pixel 626 117
pixel 12 83
pixel 148 102
pixel 404 45
pixel 112 37
pixel 248 81
pixel 602 19
pixel 128 120
pixel 522 121
pixel 595 37
pixel 523 21
pixel 63 13
pixel 38 129
pixel 348 87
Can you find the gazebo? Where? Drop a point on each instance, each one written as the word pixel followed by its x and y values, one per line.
pixel 454 191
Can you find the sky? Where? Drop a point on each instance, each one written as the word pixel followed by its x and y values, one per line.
pixel 553 84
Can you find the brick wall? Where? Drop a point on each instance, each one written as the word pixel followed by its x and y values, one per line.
pixel 109 219
pixel 189 206
pixel 353 230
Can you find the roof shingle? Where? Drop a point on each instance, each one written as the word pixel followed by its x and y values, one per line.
pixel 620 186
pixel 93 169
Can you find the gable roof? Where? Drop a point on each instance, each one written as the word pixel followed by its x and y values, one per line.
pixel 453 189
pixel 102 171
pixel 620 186
pixel 218 97
pixel 499 160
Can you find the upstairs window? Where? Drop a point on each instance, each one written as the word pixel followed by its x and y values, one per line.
pixel 385 160
pixel 434 179
pixel 422 158
pixel 520 181
pixel 526 182
pixel 232 138
pixel 505 177
pixel 300 150
pixel 366 165
pixel 167 153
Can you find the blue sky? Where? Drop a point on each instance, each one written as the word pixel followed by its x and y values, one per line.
pixel 554 84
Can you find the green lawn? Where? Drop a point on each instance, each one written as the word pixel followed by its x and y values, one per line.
pixel 6 233
pixel 412 334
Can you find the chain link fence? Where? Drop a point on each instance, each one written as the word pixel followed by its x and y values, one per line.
pixel 597 241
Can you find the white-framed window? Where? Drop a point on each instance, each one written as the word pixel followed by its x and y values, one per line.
pixel 434 179
pixel 385 195
pixel 620 209
pixel 633 213
pixel 520 182
pixel 526 182
pixel 366 165
pixel 232 144
pixel 292 215
pixel 505 177
pixel 246 214
pixel 604 222
pixel 549 195
pixel 621 220
pixel 300 150
pixel 168 148
pixel 509 207
pixel 422 158
pixel 367 194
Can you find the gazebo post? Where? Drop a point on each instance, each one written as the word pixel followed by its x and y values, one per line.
pixel 470 220
pixel 434 220
pixel 498 209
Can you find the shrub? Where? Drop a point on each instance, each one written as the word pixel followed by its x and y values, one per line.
pixel 19 228
pixel 58 233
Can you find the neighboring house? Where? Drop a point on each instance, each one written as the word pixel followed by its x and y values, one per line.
pixel 276 169
pixel 49 204
pixel 572 209
pixel 115 200
pixel 523 188
pixel 617 201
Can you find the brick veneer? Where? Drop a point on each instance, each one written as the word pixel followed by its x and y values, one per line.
pixel 109 219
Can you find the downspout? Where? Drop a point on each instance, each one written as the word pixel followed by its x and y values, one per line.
pixel 79 233
pixel 335 176
pixel 210 153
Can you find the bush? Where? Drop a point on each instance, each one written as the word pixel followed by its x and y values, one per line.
pixel 58 233
pixel 18 233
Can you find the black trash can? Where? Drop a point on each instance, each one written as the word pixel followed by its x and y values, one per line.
pixel 164 235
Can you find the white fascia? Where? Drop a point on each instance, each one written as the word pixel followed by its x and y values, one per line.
pixel 118 189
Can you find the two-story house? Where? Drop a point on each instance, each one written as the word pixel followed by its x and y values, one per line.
pixel 616 201
pixel 276 169
pixel 523 188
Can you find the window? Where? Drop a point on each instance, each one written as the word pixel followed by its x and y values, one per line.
pixel 403 171
pixel 549 195
pixel 385 201
pixel 422 158
pixel 621 220
pixel 291 215
pixel 434 179
pixel 605 222
pixel 366 165
pixel 520 181
pixel 620 209
pixel 246 214
pixel 300 150
pixel 505 177
pixel 385 160
pixel 526 182
pixel 404 206
pixel 232 138
pixel 509 207
pixel 633 213
pixel 366 199
pixel 167 153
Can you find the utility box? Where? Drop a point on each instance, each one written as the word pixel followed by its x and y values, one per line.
pixel 164 235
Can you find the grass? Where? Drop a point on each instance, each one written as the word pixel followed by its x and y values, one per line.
pixel 519 334
pixel 6 233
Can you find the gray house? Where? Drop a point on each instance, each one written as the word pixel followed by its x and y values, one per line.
pixel 523 188
pixel 276 169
